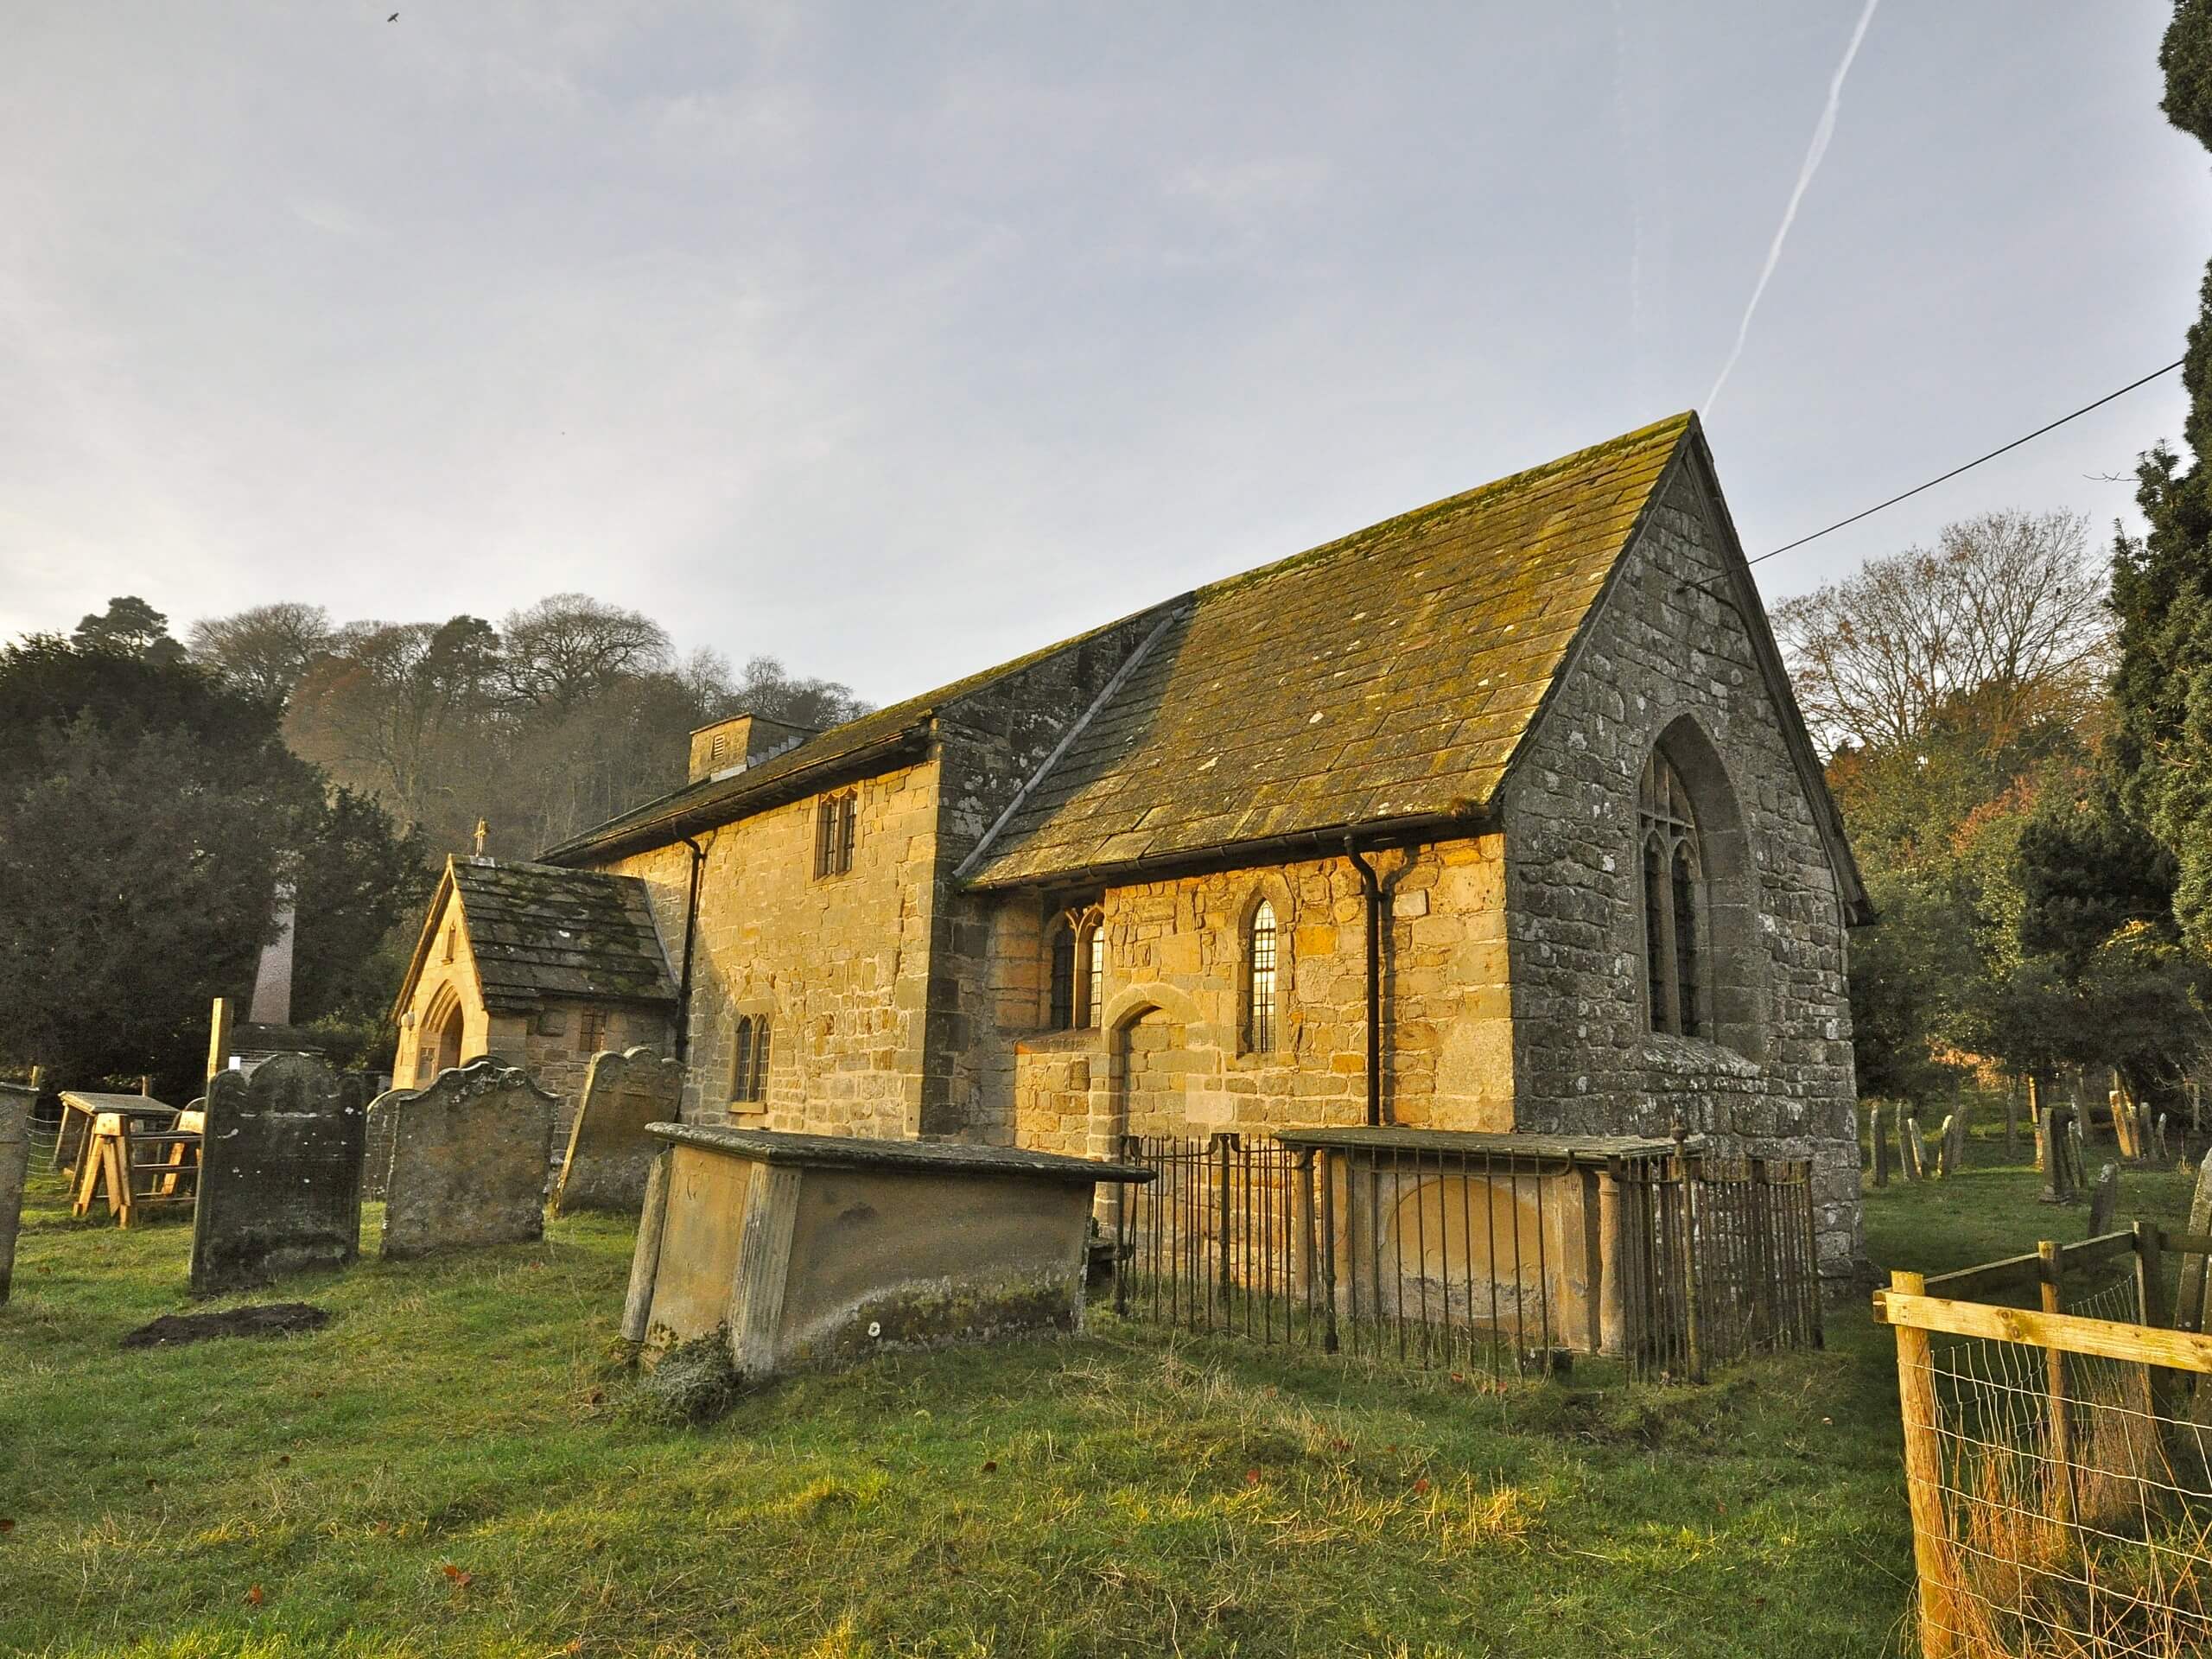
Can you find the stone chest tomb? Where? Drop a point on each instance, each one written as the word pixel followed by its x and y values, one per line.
pixel 815 1250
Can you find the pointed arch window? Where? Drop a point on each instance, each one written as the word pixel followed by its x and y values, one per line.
pixel 1075 976
pixel 1259 981
pixel 748 1071
pixel 1675 966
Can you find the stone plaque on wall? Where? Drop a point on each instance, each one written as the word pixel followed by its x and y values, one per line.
pixel 280 1178
pixel 467 1161
pixel 609 1152
pixel 15 1099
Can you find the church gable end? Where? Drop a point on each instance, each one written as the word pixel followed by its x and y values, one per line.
pixel 1677 892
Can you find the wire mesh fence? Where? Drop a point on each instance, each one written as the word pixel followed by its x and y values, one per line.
pixel 2058 1459
pixel 1466 1250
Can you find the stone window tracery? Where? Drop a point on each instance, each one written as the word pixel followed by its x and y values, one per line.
pixel 1674 900
pixel 1076 980
pixel 748 1071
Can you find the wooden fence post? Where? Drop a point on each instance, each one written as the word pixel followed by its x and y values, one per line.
pixel 2051 1269
pixel 2150 1306
pixel 1923 1475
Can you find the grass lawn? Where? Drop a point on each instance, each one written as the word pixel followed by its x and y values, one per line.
pixel 452 1465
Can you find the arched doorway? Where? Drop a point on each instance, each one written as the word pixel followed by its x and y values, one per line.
pixel 442 1030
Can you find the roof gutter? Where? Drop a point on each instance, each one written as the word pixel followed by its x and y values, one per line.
pixel 1327 842
pixel 682 823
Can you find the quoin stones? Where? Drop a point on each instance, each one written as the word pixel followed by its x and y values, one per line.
pixel 609 1152
pixel 467 1161
pixel 280 1178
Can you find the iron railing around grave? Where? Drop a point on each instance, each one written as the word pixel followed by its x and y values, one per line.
pixel 1492 1251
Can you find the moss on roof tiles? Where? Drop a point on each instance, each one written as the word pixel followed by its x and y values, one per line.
pixel 537 931
pixel 1390 674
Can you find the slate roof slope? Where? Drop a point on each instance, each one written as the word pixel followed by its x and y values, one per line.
pixel 1385 677
pixel 537 931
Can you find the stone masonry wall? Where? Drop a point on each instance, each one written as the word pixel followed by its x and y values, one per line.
pixel 840 964
pixel 555 1048
pixel 1176 986
pixel 1585 1057
pixel 989 744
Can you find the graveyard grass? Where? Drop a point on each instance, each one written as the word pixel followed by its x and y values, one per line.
pixel 456 1466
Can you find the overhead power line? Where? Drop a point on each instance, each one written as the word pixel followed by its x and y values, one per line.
pixel 1907 495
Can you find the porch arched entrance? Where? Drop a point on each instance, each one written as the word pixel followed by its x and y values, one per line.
pixel 442 1035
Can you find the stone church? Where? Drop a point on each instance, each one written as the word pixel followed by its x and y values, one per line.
pixel 1498 816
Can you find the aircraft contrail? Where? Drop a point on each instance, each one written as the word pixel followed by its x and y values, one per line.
pixel 1821 134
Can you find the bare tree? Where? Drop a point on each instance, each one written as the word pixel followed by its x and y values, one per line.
pixel 2006 612
pixel 264 650
pixel 400 709
pixel 566 650
pixel 770 689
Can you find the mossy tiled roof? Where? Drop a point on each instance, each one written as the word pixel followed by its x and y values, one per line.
pixel 537 931
pixel 1385 677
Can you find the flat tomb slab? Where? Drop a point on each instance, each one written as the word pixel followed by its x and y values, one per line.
pixel 808 1251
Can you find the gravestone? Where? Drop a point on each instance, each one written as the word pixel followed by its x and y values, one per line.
pixel 2188 1307
pixel 467 1163
pixel 609 1152
pixel 1881 1144
pixel 1912 1151
pixel 2104 1201
pixel 1944 1142
pixel 2052 1155
pixel 16 1101
pixel 2159 1146
pixel 1955 1136
pixel 2077 1150
pixel 280 1175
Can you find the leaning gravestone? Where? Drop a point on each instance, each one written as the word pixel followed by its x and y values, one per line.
pixel 1946 1139
pixel 15 1101
pixel 468 1157
pixel 609 1152
pixel 1881 1132
pixel 2104 1201
pixel 280 1175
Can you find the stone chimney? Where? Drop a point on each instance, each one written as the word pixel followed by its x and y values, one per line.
pixel 728 747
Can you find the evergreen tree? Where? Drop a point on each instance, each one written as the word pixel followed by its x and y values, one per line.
pixel 2162 584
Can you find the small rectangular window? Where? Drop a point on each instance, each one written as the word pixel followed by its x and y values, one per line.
pixel 836 825
pixel 825 830
pixel 591 1031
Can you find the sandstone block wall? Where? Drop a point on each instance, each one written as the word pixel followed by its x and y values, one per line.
pixel 839 965
pixel 1174 1056
pixel 1585 1059
pixel 414 1062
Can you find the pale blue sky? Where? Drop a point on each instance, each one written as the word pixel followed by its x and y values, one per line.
pixel 897 339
